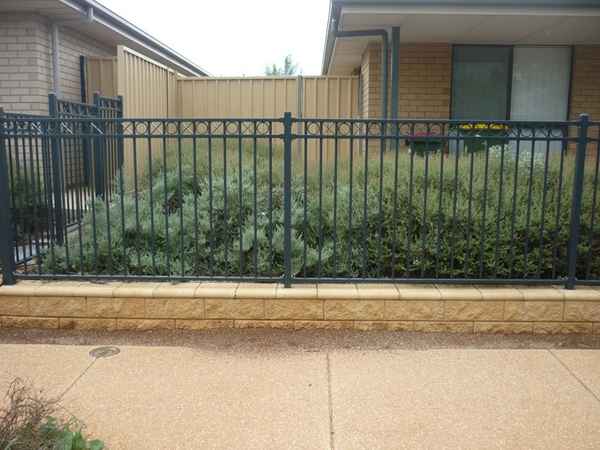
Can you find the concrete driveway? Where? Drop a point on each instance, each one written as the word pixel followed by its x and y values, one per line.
pixel 321 396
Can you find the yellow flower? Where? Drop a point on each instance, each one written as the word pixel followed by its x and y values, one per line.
pixel 484 126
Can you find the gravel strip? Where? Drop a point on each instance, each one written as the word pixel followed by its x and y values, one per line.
pixel 262 341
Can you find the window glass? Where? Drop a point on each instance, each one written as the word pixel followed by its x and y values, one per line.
pixel 480 82
pixel 540 86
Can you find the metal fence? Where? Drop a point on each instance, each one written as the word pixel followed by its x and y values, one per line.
pixel 85 174
pixel 81 168
pixel 26 169
pixel 39 200
pixel 317 200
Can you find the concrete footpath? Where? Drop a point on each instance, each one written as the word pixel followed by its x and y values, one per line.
pixel 215 394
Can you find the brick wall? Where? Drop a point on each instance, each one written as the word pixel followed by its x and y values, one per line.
pixel 425 73
pixel 24 63
pixel 585 85
pixel 72 45
pixel 26 75
pixel 423 81
pixel 370 72
pixel 585 90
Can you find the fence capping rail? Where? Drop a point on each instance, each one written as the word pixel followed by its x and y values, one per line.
pixel 108 112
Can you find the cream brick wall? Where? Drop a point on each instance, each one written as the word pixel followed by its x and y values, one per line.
pixel 370 73
pixel 425 73
pixel 585 84
pixel 26 62
pixel 26 75
pixel 72 45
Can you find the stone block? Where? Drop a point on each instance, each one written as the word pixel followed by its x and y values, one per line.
pixel 230 308
pixel 354 309
pixel 291 309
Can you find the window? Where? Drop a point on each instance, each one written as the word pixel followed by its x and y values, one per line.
pixel 540 86
pixel 501 82
pixel 480 82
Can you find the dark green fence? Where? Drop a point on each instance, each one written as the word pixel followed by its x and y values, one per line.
pixel 39 201
pixel 308 200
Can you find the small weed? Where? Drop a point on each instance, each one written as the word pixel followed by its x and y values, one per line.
pixel 28 421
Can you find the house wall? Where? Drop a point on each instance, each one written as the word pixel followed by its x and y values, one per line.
pixel 72 45
pixel 425 74
pixel 370 73
pixel 424 78
pixel 25 57
pixel 26 75
pixel 585 83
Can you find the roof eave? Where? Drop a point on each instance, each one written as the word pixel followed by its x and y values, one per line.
pixel 114 22
pixel 336 6
pixel 329 36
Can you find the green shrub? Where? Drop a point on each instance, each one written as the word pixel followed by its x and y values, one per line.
pixel 66 436
pixel 28 205
pixel 464 228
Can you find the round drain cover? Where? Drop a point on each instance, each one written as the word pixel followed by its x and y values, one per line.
pixel 104 352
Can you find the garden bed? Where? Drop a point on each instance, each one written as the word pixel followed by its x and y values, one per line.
pixel 464 214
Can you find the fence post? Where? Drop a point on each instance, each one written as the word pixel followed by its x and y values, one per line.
pixel 287 199
pixel 300 109
pixel 575 226
pixel 55 155
pixel 99 152
pixel 85 148
pixel 6 235
pixel 120 141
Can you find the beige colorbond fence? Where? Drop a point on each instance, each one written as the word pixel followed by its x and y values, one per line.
pixel 330 97
pixel 152 90
pixel 259 97
pixel 270 97
pixel 100 76
pixel 149 90
pixel 237 97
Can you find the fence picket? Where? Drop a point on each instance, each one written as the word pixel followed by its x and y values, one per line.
pixel 6 227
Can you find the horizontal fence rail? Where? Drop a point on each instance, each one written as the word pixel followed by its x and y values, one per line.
pixel 305 200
